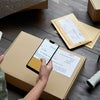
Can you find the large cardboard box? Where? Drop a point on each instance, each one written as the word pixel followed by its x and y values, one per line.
pixel 17 74
pixel 94 10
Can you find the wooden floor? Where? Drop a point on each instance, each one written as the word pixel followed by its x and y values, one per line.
pixel 37 22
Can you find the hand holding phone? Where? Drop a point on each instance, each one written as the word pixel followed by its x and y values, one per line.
pixel 46 50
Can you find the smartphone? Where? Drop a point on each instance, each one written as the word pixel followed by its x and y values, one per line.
pixel 46 50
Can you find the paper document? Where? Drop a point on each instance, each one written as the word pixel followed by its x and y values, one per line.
pixel 93 33
pixel 71 30
pixel 65 62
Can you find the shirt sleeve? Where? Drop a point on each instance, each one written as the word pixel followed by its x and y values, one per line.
pixel 3 89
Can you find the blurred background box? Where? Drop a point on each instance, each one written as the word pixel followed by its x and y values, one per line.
pixel 8 7
pixel 94 10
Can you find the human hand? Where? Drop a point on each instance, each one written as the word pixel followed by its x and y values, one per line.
pixel 45 71
pixel 1 58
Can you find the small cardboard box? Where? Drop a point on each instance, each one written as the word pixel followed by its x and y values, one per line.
pixel 17 74
pixel 94 10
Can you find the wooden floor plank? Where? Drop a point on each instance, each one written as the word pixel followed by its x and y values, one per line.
pixel 4 45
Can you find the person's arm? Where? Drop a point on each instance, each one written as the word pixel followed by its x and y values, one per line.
pixel 45 70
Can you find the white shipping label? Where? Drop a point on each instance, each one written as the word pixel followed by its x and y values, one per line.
pixel 65 62
pixel 71 30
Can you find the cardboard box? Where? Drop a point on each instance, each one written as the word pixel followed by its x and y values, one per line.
pixel 42 5
pixel 8 7
pixel 17 74
pixel 94 10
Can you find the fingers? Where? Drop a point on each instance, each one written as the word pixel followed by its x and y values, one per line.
pixel 45 70
pixel 1 58
pixel 43 62
pixel 50 65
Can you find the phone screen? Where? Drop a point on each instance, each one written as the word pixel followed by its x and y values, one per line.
pixel 46 50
